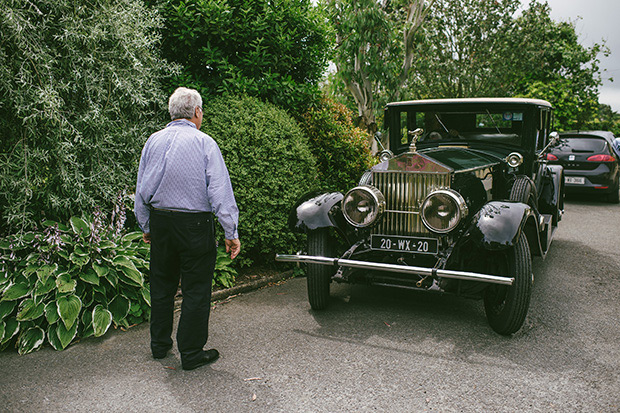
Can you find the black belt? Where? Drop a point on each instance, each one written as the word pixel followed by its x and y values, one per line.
pixel 173 212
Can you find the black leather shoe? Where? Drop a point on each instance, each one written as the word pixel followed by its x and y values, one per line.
pixel 207 357
pixel 160 354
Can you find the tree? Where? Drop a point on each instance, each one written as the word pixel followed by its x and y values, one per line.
pixel 375 49
pixel 274 50
pixel 553 65
pixel 464 52
pixel 80 92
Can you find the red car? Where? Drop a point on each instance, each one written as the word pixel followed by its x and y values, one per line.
pixel 591 165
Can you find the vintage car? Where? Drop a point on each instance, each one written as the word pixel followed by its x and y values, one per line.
pixel 462 199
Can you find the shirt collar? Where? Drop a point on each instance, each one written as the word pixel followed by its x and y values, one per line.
pixel 181 122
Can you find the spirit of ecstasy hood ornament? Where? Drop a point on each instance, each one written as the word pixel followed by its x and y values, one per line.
pixel 415 135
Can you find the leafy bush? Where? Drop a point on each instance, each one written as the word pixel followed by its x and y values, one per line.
pixel 340 148
pixel 270 166
pixel 80 92
pixel 73 281
pixel 274 50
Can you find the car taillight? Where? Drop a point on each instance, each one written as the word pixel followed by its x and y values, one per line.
pixel 551 157
pixel 601 158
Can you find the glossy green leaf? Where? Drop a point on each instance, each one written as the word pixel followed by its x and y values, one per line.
pixel 44 271
pixel 79 226
pixel 68 309
pixel 42 288
pixel 131 276
pixel 102 319
pixel 6 308
pixel 65 284
pixel 79 251
pixel 2 325
pixel 89 276
pixel 119 307
pixel 146 294
pixel 52 337
pixel 80 260
pixel 30 310
pixel 51 312
pixel 122 261
pixel 132 236
pixel 11 328
pixel 15 292
pixel 100 270
pixel 106 245
pixel 30 340
pixel 65 336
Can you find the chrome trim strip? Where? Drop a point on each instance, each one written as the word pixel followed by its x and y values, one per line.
pixel 422 271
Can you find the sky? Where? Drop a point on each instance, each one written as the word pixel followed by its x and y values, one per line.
pixel 596 20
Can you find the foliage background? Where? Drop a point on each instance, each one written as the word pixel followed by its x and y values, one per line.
pixel 270 165
pixel 275 50
pixel 81 90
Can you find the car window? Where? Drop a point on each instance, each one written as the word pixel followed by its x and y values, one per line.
pixel 505 127
pixel 582 145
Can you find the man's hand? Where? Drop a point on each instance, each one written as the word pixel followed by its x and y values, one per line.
pixel 233 246
pixel 146 237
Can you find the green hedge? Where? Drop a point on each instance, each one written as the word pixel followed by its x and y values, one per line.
pixel 270 166
pixel 340 148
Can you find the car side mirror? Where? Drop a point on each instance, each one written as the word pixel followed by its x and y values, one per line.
pixel 378 138
pixel 554 138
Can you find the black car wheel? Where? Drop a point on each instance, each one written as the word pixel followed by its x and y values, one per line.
pixel 318 275
pixel 506 306
pixel 524 191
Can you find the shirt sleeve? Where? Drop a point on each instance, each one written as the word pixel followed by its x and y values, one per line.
pixel 220 192
pixel 141 208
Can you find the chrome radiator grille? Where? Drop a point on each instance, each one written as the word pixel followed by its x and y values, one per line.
pixel 404 193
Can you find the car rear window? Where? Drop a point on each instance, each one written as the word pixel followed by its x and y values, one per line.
pixel 582 145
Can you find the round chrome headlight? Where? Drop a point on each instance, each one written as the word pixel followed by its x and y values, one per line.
pixel 442 210
pixel 362 206
pixel 515 159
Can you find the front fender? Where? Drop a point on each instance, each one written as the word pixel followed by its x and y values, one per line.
pixel 499 224
pixel 315 210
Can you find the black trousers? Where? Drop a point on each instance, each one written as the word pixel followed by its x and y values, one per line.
pixel 182 246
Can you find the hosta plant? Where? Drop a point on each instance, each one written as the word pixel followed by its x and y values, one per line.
pixel 68 282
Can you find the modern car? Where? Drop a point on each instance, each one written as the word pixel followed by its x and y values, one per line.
pixel 462 199
pixel 590 161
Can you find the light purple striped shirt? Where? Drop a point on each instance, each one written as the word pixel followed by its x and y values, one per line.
pixel 182 169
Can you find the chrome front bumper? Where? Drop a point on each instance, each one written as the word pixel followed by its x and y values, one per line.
pixel 420 271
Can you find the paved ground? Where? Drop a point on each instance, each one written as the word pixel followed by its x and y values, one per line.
pixel 373 350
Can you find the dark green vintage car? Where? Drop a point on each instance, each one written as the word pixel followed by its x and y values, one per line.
pixel 462 199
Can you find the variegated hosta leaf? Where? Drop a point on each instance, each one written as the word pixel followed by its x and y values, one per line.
pixel 30 310
pixel 42 288
pixel 30 340
pixel 79 226
pixel 11 327
pixel 6 308
pixel 52 337
pixel 131 276
pixel 65 284
pixel 146 294
pixel 51 312
pixel 89 276
pixel 132 236
pixel 80 260
pixel 68 309
pixel 66 336
pixel 101 270
pixel 2 326
pixel 119 307
pixel 44 271
pixel 15 292
pixel 102 319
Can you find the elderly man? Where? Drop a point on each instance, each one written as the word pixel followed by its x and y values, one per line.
pixel 182 183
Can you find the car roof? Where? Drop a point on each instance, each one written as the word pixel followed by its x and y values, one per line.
pixel 510 101
pixel 608 136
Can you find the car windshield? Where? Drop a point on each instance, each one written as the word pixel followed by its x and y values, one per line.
pixel 489 125
pixel 581 145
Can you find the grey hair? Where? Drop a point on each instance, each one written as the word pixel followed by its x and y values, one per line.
pixel 183 103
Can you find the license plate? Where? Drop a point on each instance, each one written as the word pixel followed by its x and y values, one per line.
pixel 404 244
pixel 579 180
